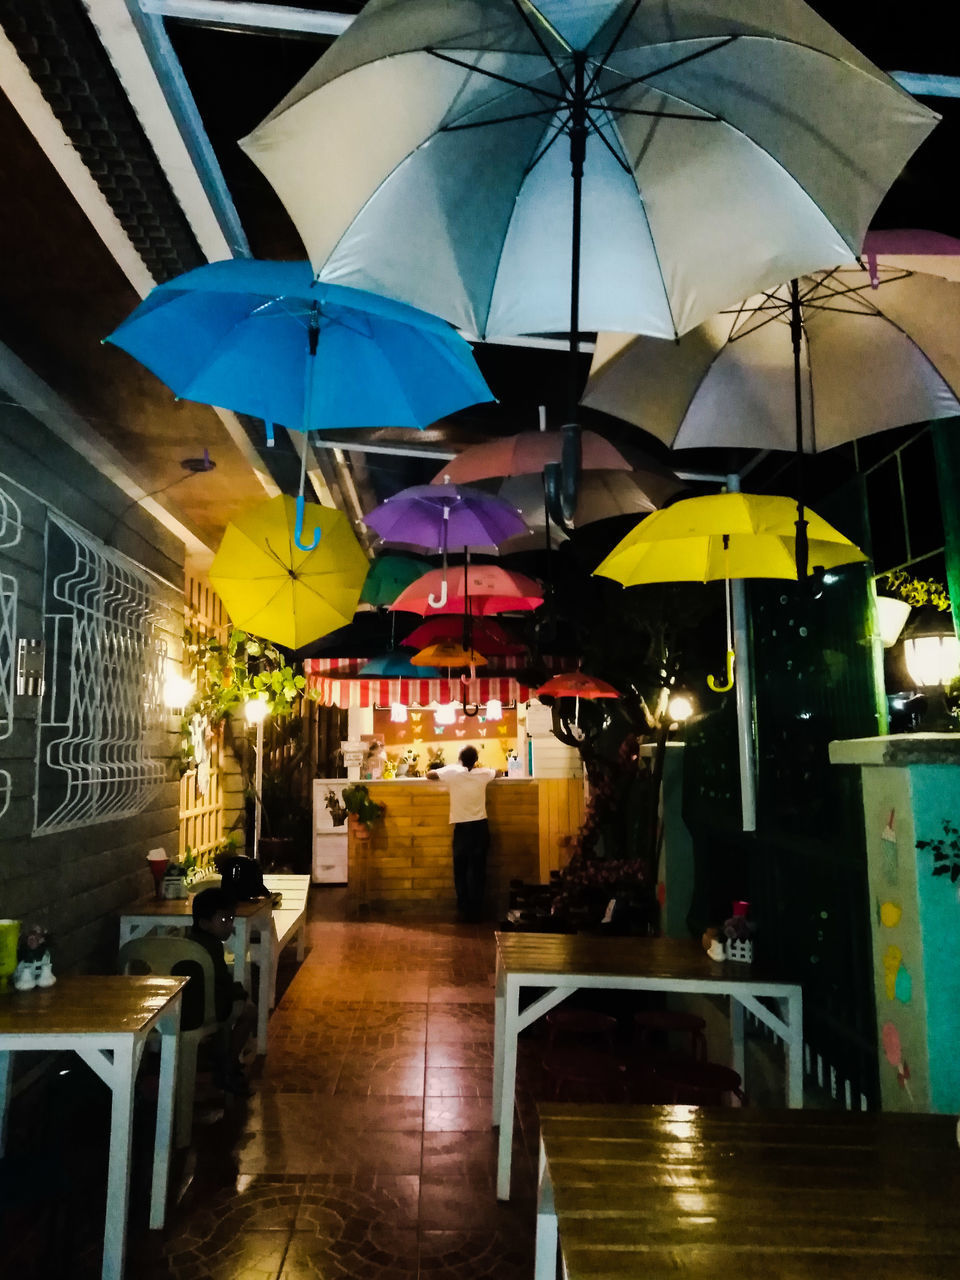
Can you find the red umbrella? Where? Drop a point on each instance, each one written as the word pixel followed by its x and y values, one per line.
pixel 488 636
pixel 527 453
pixel 478 590
pixel 576 684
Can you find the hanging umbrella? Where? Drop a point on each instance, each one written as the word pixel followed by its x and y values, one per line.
pixel 910 249
pixel 388 576
pixel 808 366
pixel 477 590
pixel 721 537
pixel 576 684
pixel 602 494
pixel 272 588
pixel 871 358
pixel 447 653
pixel 397 666
pixel 445 517
pixel 708 150
pixel 491 638
pixel 265 338
pixel 527 453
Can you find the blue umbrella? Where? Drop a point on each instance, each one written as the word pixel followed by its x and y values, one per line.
pixel 265 338
pixel 398 666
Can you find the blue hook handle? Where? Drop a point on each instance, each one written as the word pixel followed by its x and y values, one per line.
pixel 298 529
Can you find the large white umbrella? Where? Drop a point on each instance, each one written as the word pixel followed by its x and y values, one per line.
pixel 871 356
pixel 716 148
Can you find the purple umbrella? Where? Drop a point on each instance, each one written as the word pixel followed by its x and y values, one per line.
pixel 444 517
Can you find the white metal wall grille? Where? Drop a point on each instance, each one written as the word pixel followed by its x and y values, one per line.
pixel 11 526
pixel 105 653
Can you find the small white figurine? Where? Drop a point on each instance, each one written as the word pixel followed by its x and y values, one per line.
pixel 36 966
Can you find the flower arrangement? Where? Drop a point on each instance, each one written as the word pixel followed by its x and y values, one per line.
pixel 338 811
pixel 359 805
pixel 917 592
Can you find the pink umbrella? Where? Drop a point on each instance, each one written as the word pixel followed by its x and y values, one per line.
pixel 477 590
pixel 527 454
pixel 932 252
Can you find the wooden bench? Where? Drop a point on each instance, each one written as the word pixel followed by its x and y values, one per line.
pixel 289 919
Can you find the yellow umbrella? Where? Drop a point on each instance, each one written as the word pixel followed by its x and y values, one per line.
pixel 447 653
pixel 274 589
pixel 724 536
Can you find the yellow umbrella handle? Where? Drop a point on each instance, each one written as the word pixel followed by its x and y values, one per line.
pixel 715 685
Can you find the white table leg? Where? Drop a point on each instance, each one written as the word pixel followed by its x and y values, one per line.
pixel 120 1077
pixel 169 1028
pixel 738 1059
pixel 239 944
pixel 5 1065
pixel 794 1021
pixel 510 1030
pixel 545 1255
pixel 498 1023
pixel 266 962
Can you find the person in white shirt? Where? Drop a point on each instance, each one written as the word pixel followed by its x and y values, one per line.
pixel 471 835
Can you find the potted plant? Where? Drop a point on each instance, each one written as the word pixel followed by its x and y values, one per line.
pixel 364 811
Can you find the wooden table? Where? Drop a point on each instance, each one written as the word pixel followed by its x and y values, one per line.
pixel 694 1194
pixel 106 1021
pixel 565 962
pixel 175 915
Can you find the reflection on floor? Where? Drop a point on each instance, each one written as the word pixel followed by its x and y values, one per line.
pixel 365 1150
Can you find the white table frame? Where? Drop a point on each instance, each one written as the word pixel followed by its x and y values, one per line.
pixel 138 920
pixel 115 1056
pixel 743 989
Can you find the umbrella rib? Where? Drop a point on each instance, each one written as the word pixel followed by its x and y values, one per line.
pixel 494 75
pixel 547 111
pixel 559 132
pixel 521 7
pixel 669 66
pixel 612 45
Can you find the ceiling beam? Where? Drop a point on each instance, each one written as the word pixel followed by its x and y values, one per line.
pixel 265 17
pixel 153 80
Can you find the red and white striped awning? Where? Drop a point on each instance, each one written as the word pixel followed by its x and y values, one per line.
pixel 337 683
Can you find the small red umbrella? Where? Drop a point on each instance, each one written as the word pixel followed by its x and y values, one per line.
pixel 527 453
pixel 576 684
pixel 476 590
pixel 489 637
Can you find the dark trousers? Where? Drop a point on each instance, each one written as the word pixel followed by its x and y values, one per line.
pixel 471 840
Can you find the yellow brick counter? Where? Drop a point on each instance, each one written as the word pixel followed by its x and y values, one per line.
pixel 408 858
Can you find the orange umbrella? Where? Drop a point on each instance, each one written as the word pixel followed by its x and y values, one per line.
pixel 576 684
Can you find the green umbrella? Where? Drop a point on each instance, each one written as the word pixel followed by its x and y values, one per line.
pixel 389 575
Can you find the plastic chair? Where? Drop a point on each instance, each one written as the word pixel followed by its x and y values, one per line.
pixel 698 1083
pixel 651 1024
pixel 183 958
pixel 580 1024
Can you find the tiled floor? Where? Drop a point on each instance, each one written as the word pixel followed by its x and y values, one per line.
pixel 366 1149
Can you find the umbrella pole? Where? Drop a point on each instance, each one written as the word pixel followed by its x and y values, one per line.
pixel 313 335
pixel 746 744
pixel 796 337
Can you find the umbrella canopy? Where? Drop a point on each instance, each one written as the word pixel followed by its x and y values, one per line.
pixel 271 587
pixel 397 666
pixel 723 536
pixel 932 252
pixel 478 590
pixel 266 338
pixel 601 494
pixel 388 576
pixel 527 453
pixel 447 653
pixel 491 638
pixel 576 684
pixel 716 149
pixel 445 517
pixel 870 358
